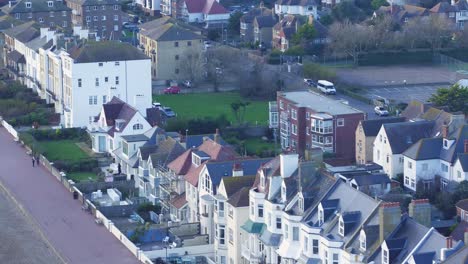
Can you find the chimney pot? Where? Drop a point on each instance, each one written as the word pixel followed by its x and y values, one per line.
pixel 465 146
pixel 420 210
pixel 449 242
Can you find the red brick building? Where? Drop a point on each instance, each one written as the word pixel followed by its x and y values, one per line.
pixel 307 119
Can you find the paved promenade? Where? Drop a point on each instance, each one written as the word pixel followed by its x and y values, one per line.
pixel 65 228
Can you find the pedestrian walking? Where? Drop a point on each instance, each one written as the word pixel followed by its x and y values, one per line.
pixel 33 161
pixel 37 161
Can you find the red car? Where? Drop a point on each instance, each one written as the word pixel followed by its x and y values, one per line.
pixel 172 90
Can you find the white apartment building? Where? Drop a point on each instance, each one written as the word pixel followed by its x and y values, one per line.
pixel 86 76
pixel 296 7
pixel 443 156
pixel 393 139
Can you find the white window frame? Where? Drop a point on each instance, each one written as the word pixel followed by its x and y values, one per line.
pixel 340 122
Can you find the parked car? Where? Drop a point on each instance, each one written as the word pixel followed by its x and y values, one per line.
pixel 172 90
pixel 157 105
pixel 187 83
pixel 168 111
pixel 326 87
pixel 381 111
pixel 309 82
pixel 207 44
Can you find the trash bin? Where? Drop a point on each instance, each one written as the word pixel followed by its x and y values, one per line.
pixel 75 195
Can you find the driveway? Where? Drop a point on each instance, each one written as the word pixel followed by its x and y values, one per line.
pixel 67 228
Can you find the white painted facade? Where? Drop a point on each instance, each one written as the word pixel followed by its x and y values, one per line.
pixel 416 170
pixel 392 164
pixel 459 174
pixel 307 10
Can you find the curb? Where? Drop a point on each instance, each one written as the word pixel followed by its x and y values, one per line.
pixel 29 219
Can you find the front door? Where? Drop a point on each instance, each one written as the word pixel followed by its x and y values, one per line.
pixel 102 143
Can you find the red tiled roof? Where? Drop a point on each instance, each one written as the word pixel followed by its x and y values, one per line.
pixel 217 151
pixel 179 201
pixel 182 164
pixel 194 173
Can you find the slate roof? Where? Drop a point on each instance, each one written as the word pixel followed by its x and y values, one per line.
pixel 166 152
pixel 460 257
pixel 179 201
pixel 423 258
pixel 365 180
pixel 402 135
pixel 267 21
pixel 134 138
pixel 104 51
pixel 443 7
pixel 459 135
pixel 161 31
pixel 24 32
pixel 414 109
pixel 219 170
pixel 425 149
pixel 117 109
pixel 463 158
pixel 192 141
pixel 233 184
pixel 240 198
pixel 146 150
pixel 208 7
pixel 371 127
pixel 36 6
pixel 461 5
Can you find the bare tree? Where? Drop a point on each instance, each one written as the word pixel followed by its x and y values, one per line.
pixel 191 66
pixel 350 39
pixel 432 32
pixel 220 62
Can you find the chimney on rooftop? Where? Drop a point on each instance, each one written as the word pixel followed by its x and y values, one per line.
pixel 449 242
pixel 445 131
pixel 288 164
pixel 465 148
pixel 216 136
pixel 389 218
pixel 237 170
pixel 420 210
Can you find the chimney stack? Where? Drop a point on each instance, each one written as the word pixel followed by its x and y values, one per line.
pixel 449 242
pixel 288 164
pixel 445 131
pixel 420 210
pixel 465 144
pixel 237 170
pixel 389 218
pixel 216 136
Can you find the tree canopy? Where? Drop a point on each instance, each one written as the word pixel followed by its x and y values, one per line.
pixel 305 33
pixel 455 98
pixel 378 3
pixel 234 22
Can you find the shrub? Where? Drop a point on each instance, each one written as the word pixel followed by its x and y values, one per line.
pixel 317 71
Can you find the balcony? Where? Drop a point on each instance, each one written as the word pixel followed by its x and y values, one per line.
pixel 246 252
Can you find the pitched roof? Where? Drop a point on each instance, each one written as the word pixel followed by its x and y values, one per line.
pixel 240 198
pixel 402 135
pixel 267 21
pixel 365 180
pixel 219 170
pixel 460 257
pixel 24 32
pixel 37 6
pixel 371 127
pixel 166 31
pixel 104 51
pixel 424 149
pixel 461 5
pixel 443 7
pixel 234 184
pixel 166 152
pixel 117 109
pixel 194 141
pixel 462 204
pixel 414 109
pixel 179 201
pixel 134 138
pixel 463 158
pixel 182 164
pixel 259 11
pixel 208 7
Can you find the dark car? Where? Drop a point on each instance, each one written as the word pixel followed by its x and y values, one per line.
pixel 172 90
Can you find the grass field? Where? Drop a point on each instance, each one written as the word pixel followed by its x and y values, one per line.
pixel 62 150
pixel 254 145
pixel 82 176
pixel 199 105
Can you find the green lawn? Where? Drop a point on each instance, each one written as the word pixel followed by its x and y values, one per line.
pixel 82 176
pixel 199 105
pixel 62 150
pixel 254 145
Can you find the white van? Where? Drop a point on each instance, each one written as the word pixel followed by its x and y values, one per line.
pixel 326 87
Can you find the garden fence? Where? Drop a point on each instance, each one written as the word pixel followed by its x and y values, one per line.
pixel 450 62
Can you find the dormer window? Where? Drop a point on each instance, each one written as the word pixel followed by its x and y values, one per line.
pixel 362 241
pixel 28 4
pixel 50 3
pixel 341 227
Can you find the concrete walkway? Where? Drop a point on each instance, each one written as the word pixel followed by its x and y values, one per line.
pixel 68 229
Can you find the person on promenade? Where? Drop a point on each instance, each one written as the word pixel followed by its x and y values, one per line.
pixel 33 161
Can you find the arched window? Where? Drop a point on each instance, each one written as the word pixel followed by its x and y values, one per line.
pixel 137 126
